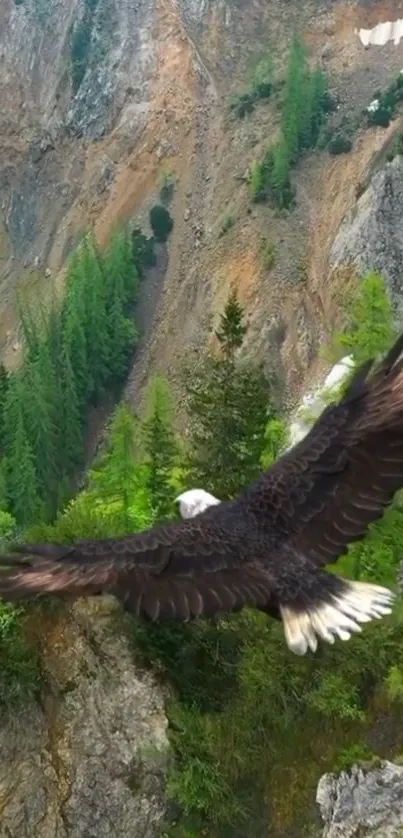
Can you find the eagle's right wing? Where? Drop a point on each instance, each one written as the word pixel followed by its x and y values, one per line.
pixel 324 493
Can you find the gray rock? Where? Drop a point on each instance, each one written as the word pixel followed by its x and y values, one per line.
pixel 371 236
pixel 362 803
pixel 89 760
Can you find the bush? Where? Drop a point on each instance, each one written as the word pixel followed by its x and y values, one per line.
pixel 257 182
pixel 161 222
pixel 381 116
pixel 242 105
pixel 227 222
pixel 268 254
pixel 19 670
pixel 339 144
pixel 395 148
pixel 167 187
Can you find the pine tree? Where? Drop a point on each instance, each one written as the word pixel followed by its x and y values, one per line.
pixel 95 323
pixel 228 405
pixel 370 328
pixel 22 483
pixel 120 270
pixel 71 419
pixel 232 330
pixel 117 478
pixel 161 449
pixel 4 385
pixel 74 343
pixel 42 425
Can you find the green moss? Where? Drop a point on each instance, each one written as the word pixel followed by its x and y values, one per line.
pixel 19 668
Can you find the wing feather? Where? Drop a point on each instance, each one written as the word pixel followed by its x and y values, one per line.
pixel 325 492
pixel 196 568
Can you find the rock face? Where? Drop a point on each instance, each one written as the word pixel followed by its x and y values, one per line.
pixel 371 236
pixel 89 759
pixel 362 803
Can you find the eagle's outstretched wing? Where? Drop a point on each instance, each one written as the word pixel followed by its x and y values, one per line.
pixel 197 567
pixel 325 492
pixel 266 548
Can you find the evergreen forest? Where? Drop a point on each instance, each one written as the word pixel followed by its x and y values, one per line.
pixel 240 701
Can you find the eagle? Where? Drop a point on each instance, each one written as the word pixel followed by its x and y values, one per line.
pixel 268 548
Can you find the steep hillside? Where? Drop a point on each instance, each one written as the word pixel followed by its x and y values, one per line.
pixel 99 97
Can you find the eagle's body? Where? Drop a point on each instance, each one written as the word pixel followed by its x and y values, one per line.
pixel 266 549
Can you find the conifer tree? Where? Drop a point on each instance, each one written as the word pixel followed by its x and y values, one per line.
pixel 228 406
pixel 95 323
pixel 370 328
pixel 161 449
pixel 118 477
pixel 4 385
pixel 22 483
pixel 71 419
pixel 42 425
pixel 74 346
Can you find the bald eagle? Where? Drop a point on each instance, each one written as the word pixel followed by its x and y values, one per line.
pixel 267 548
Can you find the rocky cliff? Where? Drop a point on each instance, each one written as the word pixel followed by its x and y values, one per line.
pixel 362 801
pixel 99 97
pixel 88 757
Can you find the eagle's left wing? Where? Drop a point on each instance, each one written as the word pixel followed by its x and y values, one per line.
pixel 187 569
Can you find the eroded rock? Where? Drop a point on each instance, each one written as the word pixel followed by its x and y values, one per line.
pixel 89 758
pixel 362 803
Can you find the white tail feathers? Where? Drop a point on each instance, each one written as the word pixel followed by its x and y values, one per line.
pixel 341 616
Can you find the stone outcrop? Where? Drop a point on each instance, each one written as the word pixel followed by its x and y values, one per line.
pixel 362 803
pixel 89 757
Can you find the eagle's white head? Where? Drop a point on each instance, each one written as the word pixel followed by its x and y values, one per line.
pixel 194 501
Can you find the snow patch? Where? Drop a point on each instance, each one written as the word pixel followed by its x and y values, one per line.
pixel 313 403
pixel 382 33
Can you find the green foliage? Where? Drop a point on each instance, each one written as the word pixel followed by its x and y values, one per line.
pixel 73 356
pixel 335 697
pixel 388 102
pixel 19 671
pixel 370 328
pixel 396 147
pixel 260 88
pixel 7 526
pixel 339 144
pixel 118 479
pixel 142 251
pixel 275 441
pixel 167 187
pixel 161 222
pixel 352 755
pixel 248 720
pixel 227 222
pixel 4 385
pixel 304 107
pixel 161 449
pixel 268 253
pixel 257 181
pixel 228 405
pixel 394 684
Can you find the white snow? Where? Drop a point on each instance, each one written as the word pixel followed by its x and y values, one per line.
pixel 382 33
pixel 313 403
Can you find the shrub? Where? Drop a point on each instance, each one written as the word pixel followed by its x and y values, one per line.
pixel 167 187
pixel 19 671
pixel 161 222
pixel 257 181
pixel 339 144
pixel 268 254
pixel 395 148
pixel 242 104
pixel 227 222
